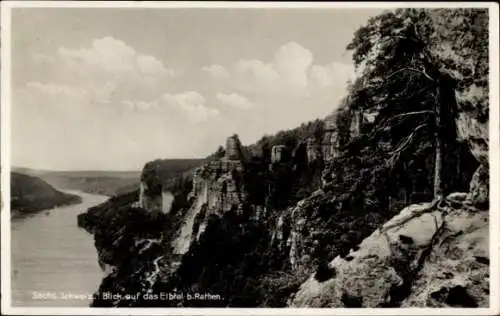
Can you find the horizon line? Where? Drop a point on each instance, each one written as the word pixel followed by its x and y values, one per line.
pixel 13 167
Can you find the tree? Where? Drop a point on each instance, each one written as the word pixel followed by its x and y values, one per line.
pixel 403 80
pixel 220 152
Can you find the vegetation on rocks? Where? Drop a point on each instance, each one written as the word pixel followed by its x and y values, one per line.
pixel 423 77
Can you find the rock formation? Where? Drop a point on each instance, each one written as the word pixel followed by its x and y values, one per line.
pixel 233 148
pixel 330 143
pixel 150 194
pixel 313 150
pixel 278 153
pixel 271 235
pixel 426 256
pixel 432 254
pixel 357 120
pixel 217 188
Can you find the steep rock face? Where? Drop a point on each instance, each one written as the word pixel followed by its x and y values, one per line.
pixel 278 153
pixel 476 135
pixel 467 63
pixel 479 188
pixel 313 150
pixel 304 229
pixel 425 256
pixel 316 226
pixel 150 194
pixel 233 148
pixel 356 121
pixel 330 144
pixel 332 139
pixel 217 188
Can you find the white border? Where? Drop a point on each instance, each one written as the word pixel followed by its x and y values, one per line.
pixel 494 146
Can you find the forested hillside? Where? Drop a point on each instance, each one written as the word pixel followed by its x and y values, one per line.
pixel 30 195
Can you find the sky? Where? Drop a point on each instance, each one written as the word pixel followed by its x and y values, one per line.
pixel 111 88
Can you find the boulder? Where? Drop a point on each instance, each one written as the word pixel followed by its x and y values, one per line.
pixel 421 257
pixel 479 193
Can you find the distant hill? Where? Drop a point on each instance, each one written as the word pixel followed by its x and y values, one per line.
pixel 111 183
pixel 95 182
pixel 30 194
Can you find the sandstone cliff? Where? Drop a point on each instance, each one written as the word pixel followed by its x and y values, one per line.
pixel 217 188
pixel 433 254
pixel 427 256
pixel 340 212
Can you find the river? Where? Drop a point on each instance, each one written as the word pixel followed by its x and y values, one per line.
pixel 54 262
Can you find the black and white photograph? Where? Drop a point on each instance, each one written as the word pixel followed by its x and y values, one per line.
pixel 289 158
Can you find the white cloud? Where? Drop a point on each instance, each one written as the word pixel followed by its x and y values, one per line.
pixel 112 56
pixel 287 70
pixel 184 99
pixel 292 62
pixel 108 70
pixel 235 100
pixel 191 104
pixel 290 72
pixel 334 74
pixel 42 59
pixel 257 70
pixel 216 71
pixel 129 88
pixel 129 104
pixel 140 105
pixel 55 89
pixel 151 65
pixel 289 81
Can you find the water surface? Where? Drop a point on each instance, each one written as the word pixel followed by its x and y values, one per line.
pixel 54 263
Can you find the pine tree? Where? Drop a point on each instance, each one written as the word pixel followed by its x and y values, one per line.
pixel 407 83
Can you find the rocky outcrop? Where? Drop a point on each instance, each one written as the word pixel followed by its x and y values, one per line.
pixel 479 188
pixel 304 229
pixel 330 143
pixel 217 188
pixel 427 256
pixel 150 194
pixel 313 150
pixel 278 153
pixel 233 148
pixel 432 254
pixel 476 135
pixel 456 272
pixel 251 230
pixel 356 121
pixel 353 121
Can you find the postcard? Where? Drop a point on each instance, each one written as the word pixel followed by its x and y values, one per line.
pixel 250 158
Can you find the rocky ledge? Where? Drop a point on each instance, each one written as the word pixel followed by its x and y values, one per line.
pixel 430 255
